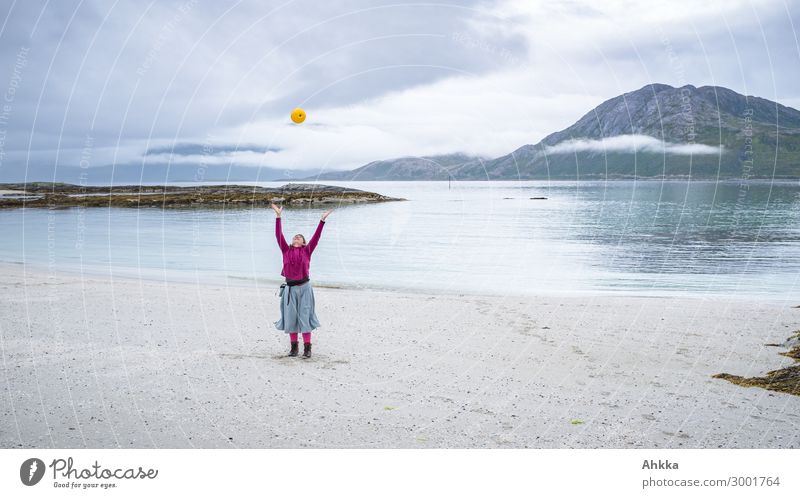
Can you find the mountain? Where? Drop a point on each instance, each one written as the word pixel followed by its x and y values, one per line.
pixel 123 174
pixel 655 132
pixel 660 130
pixel 404 168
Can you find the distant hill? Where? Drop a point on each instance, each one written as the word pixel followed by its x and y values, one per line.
pixel 125 174
pixel 405 168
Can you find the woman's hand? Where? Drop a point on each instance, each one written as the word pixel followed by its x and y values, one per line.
pixel 277 210
pixel 325 214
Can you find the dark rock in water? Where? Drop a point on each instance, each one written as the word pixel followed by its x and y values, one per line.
pixel 61 195
pixel 785 380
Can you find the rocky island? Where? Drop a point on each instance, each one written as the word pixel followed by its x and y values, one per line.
pixel 63 195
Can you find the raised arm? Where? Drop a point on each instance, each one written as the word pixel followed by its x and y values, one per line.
pixel 279 235
pixel 315 238
pixel 279 229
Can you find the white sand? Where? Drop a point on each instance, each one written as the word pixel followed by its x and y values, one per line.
pixel 133 363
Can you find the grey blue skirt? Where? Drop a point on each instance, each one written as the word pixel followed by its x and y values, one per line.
pixel 297 309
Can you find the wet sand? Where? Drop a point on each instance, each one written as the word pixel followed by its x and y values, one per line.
pixel 90 361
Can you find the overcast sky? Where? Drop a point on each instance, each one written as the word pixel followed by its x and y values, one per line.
pixel 107 81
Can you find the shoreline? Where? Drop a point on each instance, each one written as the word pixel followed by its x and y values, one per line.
pixel 90 272
pixel 100 363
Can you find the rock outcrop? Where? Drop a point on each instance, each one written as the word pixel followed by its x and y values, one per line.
pixel 57 195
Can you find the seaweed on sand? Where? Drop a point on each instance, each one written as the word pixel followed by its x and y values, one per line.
pixel 785 380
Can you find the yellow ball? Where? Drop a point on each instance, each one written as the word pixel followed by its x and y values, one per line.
pixel 298 115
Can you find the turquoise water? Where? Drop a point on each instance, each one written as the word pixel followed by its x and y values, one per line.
pixel 648 237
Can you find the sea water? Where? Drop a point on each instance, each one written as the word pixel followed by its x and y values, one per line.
pixel 710 238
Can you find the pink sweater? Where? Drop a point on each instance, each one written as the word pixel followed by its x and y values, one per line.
pixel 296 259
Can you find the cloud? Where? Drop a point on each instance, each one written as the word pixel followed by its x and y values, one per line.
pixel 193 149
pixel 546 88
pixel 378 78
pixel 632 144
pixel 485 116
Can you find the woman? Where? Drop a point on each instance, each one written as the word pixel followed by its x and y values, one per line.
pixel 297 302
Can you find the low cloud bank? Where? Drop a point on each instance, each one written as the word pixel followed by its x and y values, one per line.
pixel 632 144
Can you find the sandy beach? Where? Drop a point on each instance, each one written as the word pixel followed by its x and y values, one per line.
pixel 91 361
